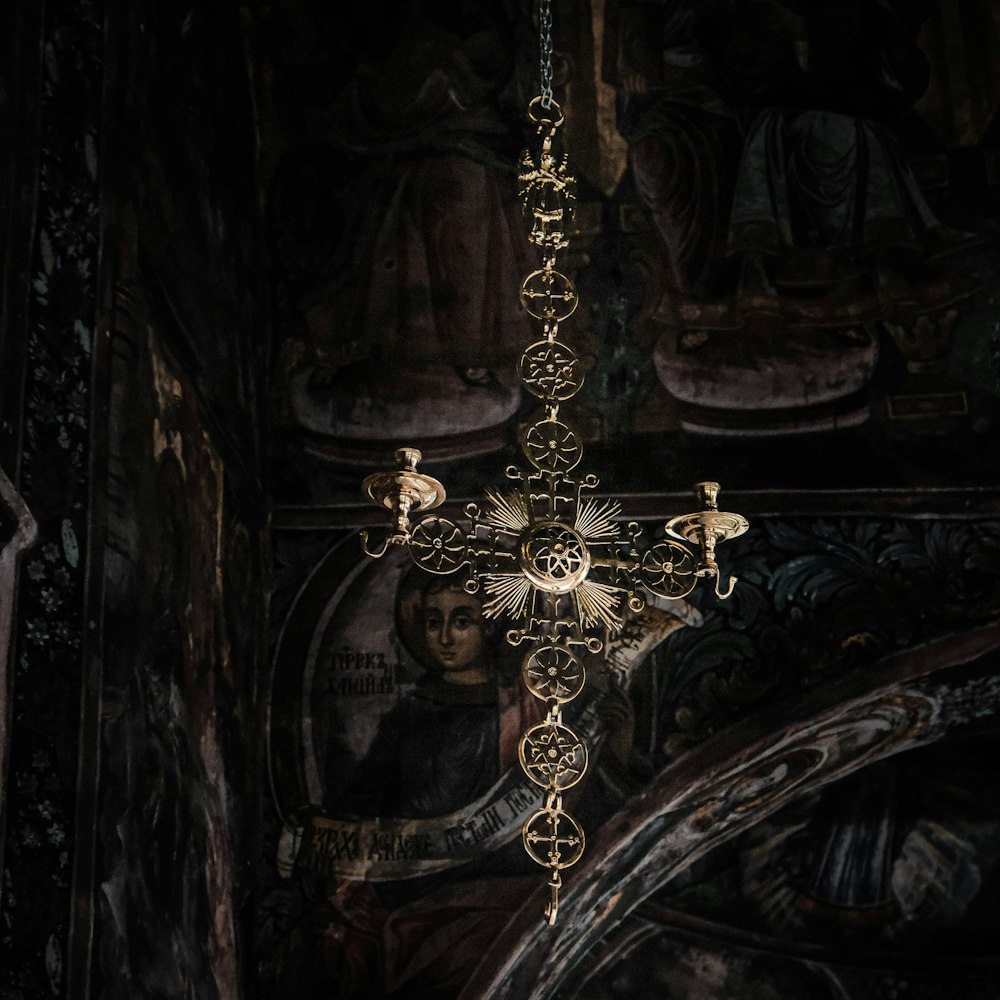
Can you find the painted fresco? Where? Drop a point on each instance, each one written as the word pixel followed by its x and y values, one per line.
pixel 776 283
pixel 170 708
pixel 396 226
pixel 785 245
pixel 132 799
pixel 394 757
pixel 779 256
pixel 175 790
pixel 400 811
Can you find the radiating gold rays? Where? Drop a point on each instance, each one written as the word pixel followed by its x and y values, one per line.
pixel 507 511
pixel 511 593
pixel 595 520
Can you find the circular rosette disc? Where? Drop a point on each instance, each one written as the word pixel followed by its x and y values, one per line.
pixel 550 370
pixel 437 545
pixel 548 294
pixel 668 570
pixel 553 839
pixel 553 756
pixel 551 446
pixel 553 673
pixel 554 557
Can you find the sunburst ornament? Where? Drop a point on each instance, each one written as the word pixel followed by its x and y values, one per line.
pixel 553 556
pixel 552 561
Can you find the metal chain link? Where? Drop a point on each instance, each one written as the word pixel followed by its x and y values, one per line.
pixel 545 51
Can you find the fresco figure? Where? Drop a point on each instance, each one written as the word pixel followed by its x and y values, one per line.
pixel 895 850
pixel 811 230
pixel 440 763
pixel 853 872
pixel 449 740
pixel 408 316
pixel 439 749
pixel 684 140
pixel 824 194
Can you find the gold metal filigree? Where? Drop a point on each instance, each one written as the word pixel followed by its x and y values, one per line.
pixel 548 294
pixel 553 673
pixel 553 756
pixel 547 845
pixel 668 570
pixel 438 545
pixel 403 491
pixel 706 528
pixel 552 561
pixel 551 556
pixel 546 187
pixel 553 848
pixel 552 446
pixel 550 370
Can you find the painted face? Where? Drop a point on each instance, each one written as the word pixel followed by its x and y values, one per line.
pixel 453 629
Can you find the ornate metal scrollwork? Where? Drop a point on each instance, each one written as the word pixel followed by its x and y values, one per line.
pixel 550 370
pixel 438 545
pixel 547 558
pixel 553 673
pixel 552 446
pixel 403 491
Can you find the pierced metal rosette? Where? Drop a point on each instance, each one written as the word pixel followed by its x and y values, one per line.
pixel 552 446
pixel 668 570
pixel 553 673
pixel 550 370
pixel 549 294
pixel 554 557
pixel 438 545
pixel 553 756
pixel 553 839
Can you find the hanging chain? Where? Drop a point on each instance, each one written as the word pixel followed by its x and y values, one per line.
pixel 545 51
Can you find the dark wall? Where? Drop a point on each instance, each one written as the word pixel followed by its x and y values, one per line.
pixel 133 797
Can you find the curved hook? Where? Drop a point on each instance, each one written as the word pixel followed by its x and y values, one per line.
pixel 368 552
pixel 718 593
pixel 515 636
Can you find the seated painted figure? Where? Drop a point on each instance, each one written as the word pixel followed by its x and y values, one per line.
pixel 824 190
pixel 436 752
pixel 411 327
pixel 828 231
pixel 683 138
